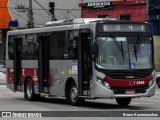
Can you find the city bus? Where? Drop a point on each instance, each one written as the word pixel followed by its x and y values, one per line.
pixel 82 59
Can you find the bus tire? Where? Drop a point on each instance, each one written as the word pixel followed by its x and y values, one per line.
pixel 29 90
pixel 73 95
pixel 158 82
pixel 123 101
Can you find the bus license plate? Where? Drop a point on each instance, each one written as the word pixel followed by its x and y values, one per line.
pixel 130 92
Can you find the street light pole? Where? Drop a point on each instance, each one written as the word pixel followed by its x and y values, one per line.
pixel 31 22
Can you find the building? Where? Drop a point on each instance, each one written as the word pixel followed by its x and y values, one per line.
pixel 137 10
pixel 154 20
pixel 128 9
pixel 154 15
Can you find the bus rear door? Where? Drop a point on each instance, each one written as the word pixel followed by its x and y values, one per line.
pixel 17 63
pixel 43 64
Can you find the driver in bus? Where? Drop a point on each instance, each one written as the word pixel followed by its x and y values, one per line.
pixel 72 52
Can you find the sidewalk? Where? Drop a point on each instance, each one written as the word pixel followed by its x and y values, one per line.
pixel 2 78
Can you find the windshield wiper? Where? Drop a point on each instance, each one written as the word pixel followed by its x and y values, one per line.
pixel 137 42
pixel 135 51
pixel 94 47
pixel 119 46
pixel 136 46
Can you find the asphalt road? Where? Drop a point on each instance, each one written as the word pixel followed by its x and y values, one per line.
pixel 10 101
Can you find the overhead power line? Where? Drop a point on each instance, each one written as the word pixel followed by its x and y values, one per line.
pixel 13 12
pixel 43 8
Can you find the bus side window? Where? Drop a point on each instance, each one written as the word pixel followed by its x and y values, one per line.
pixel 56 45
pixel 11 48
pixel 72 50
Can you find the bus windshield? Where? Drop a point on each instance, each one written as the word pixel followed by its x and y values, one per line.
pixel 116 53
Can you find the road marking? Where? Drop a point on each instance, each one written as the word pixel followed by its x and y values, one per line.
pixel 153 100
pixel 141 103
pixel 3 86
pixel 156 96
pixel 157 92
pixel 1 96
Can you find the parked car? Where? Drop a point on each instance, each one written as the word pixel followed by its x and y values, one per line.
pixel 2 68
pixel 158 80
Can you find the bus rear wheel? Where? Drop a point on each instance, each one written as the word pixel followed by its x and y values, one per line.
pixel 123 101
pixel 29 90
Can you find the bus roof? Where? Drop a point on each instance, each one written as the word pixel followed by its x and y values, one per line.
pixel 76 21
pixel 79 23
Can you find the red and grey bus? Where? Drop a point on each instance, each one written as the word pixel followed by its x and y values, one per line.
pixel 82 59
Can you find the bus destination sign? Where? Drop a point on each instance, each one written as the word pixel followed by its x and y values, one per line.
pixel 123 28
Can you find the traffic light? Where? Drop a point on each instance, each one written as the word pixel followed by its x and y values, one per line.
pixel 51 7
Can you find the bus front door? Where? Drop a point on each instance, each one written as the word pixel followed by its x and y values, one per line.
pixel 43 64
pixel 17 63
pixel 85 64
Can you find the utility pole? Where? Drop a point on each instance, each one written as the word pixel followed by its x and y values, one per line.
pixel 30 16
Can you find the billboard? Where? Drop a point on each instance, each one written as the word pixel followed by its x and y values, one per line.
pixel 5 16
pixel 86 1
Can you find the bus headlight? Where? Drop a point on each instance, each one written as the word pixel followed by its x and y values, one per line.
pixel 99 80
pixel 153 80
pixel 104 83
pixel 151 83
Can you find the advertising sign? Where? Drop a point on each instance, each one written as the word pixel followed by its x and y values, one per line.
pixel 13 25
pixel 99 4
pixel 91 4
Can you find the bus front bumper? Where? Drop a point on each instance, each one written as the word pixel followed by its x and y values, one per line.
pixel 103 92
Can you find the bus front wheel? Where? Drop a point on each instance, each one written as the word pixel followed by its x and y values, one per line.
pixel 123 101
pixel 158 82
pixel 29 90
pixel 73 95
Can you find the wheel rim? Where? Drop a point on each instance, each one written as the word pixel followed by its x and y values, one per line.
pixel 74 94
pixel 29 89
